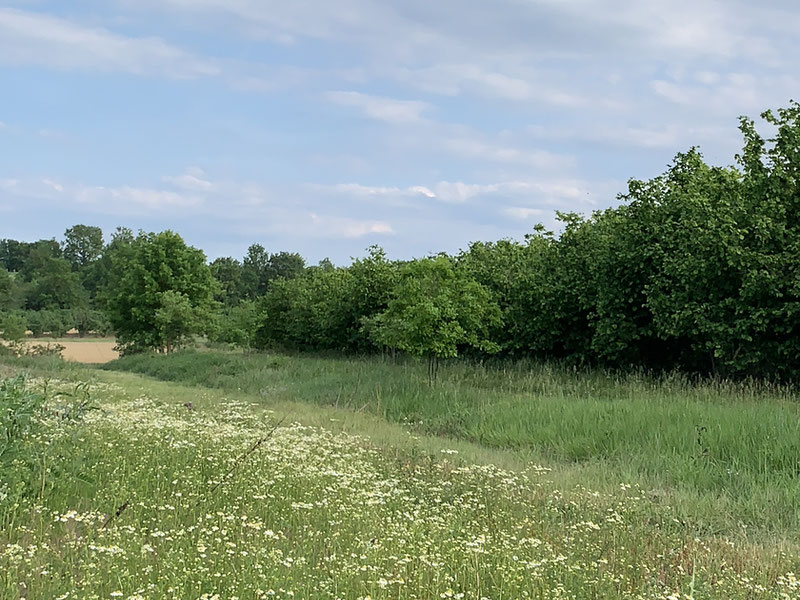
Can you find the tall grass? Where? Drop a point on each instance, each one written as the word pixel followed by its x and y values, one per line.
pixel 213 502
pixel 727 454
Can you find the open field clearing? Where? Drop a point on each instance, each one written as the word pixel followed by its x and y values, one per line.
pixel 224 499
pixel 81 350
pixel 89 351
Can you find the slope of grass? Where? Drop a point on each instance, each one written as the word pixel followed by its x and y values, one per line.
pixel 727 455
pixel 160 500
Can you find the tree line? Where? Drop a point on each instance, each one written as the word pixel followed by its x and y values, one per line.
pixel 696 269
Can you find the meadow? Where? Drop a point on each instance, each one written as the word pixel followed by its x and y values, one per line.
pixel 276 476
pixel 726 455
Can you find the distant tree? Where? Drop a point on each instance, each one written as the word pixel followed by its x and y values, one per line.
pixel 498 266
pixel 82 245
pixel 56 322
pixel 97 275
pixel 372 281
pixel 53 284
pixel 255 268
pixel 324 308
pixel 435 311
pixel 259 269
pixel 12 292
pixel 13 254
pixel 177 320
pixel 286 265
pixel 237 325
pixel 140 310
pixel 228 273
pixel 325 264
pixel 12 327
pixel 38 255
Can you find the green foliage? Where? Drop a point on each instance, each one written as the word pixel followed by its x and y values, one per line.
pixel 12 327
pixel 176 320
pixel 260 269
pixel 12 291
pixel 228 273
pixel 82 245
pixel 310 312
pixel 13 254
pixel 54 285
pixel 236 325
pixel 145 269
pixel 436 310
pixel 19 409
pixel 324 309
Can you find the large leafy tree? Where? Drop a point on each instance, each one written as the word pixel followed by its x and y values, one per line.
pixel 82 245
pixel 228 273
pixel 436 311
pixel 260 269
pixel 13 254
pixel 255 271
pixel 53 284
pixel 162 291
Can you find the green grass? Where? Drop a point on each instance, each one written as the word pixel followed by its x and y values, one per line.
pixel 727 456
pixel 334 503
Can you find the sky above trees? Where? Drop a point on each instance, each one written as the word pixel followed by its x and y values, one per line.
pixel 325 127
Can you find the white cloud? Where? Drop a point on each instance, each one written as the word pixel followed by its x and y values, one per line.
pixel 470 146
pixel 47 41
pixel 523 213
pixel 357 189
pixel 555 192
pixel 389 110
pixel 192 180
pixel 339 227
pixel 127 199
pixel 732 93
pixel 53 185
pixel 489 81
pixel 421 189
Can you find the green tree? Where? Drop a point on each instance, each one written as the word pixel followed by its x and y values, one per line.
pixel 53 284
pixel 12 292
pixel 13 254
pixel 255 271
pixel 260 269
pixel 237 325
pixel 228 273
pixel 82 245
pixel 13 327
pixel 142 272
pixel 98 274
pixel 286 265
pixel 435 311
pixel 177 320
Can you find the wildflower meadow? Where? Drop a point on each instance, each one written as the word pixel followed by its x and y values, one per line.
pixel 117 488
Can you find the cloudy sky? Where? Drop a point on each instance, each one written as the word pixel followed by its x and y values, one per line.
pixel 326 126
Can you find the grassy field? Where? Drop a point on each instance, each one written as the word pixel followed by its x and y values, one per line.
pixel 285 477
pixel 726 456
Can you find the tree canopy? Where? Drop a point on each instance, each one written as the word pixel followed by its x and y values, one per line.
pixel 161 293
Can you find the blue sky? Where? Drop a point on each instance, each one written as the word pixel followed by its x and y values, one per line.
pixel 325 127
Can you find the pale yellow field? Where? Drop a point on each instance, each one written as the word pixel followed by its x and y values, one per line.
pixel 95 351
pixel 86 350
